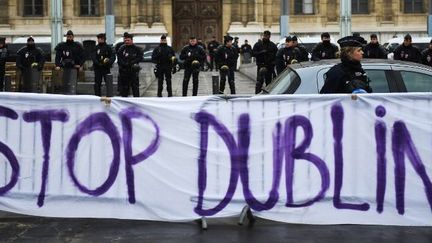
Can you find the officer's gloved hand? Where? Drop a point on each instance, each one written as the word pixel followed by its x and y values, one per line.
pixel 34 65
pixel 136 67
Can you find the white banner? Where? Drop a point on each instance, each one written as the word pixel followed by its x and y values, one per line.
pixel 316 159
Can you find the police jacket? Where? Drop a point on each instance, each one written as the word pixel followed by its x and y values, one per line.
pixel 226 56
pixel 408 53
pixel 162 56
pixel 346 77
pixel 191 53
pixel 212 47
pixel 324 50
pixel 4 54
pixel 426 57
pixel 285 57
pixel 265 53
pixel 29 55
pixel 374 51
pixel 303 55
pixel 246 48
pixel 128 56
pixel 69 54
pixel 103 57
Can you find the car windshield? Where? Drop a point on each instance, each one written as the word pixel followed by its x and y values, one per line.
pixel 282 82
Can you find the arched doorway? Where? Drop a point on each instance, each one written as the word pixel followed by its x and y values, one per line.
pixel 200 18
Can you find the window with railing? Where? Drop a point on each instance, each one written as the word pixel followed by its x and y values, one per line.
pixel 303 7
pixel 33 7
pixel 413 6
pixel 89 7
pixel 360 6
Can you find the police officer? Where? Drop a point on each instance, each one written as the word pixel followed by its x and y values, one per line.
pixel 348 76
pixel 264 52
pixel 226 58
pixel 427 55
pixel 128 56
pixel 164 58
pixel 287 55
pixel 304 54
pixel 193 56
pixel 103 58
pixel 30 57
pixel 4 54
pixel 374 49
pixel 246 51
pixel 69 56
pixel 407 52
pixel 236 45
pixel 325 49
pixel 212 48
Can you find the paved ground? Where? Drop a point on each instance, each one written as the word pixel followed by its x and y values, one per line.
pixel 34 229
pixel 244 85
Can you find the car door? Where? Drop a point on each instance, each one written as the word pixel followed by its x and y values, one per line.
pixel 413 79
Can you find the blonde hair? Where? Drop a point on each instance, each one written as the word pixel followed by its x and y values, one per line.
pixel 347 52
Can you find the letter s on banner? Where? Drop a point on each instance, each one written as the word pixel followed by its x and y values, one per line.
pixel 7 152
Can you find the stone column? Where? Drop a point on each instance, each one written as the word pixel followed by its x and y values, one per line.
pixel 142 14
pixel 251 13
pixel 243 11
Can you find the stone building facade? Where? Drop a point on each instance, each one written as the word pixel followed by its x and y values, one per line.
pixel 205 18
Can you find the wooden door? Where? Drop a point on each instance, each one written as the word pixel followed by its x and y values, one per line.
pixel 199 18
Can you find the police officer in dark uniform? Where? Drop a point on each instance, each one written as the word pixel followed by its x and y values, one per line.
pixel 287 55
pixel 193 56
pixel 69 56
pixel 212 48
pixel 427 55
pixel 128 57
pixel 226 58
pixel 304 54
pixel 246 51
pixel 374 49
pixel 348 76
pixel 264 52
pixel 30 57
pixel 407 52
pixel 325 49
pixel 164 58
pixel 4 54
pixel 103 58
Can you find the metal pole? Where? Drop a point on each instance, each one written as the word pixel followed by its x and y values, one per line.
pixel 345 18
pixel 429 23
pixel 56 25
pixel 284 18
pixel 109 22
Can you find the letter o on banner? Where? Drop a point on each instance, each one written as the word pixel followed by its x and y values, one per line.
pixel 95 122
pixel 7 152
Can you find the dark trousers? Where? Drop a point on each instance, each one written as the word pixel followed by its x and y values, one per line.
pixel 224 75
pixel 212 62
pixel 164 73
pixel 264 77
pixel 2 80
pixel 128 79
pixel 187 74
pixel 99 75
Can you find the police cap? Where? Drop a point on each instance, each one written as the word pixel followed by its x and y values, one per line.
pixel 351 41
pixel 227 38
pixel 294 38
pixel 325 35
pixel 288 39
pixel 30 39
pixel 127 35
pixel 373 36
pixel 163 37
pixel 407 37
pixel 101 36
pixel 266 32
pixel 69 32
